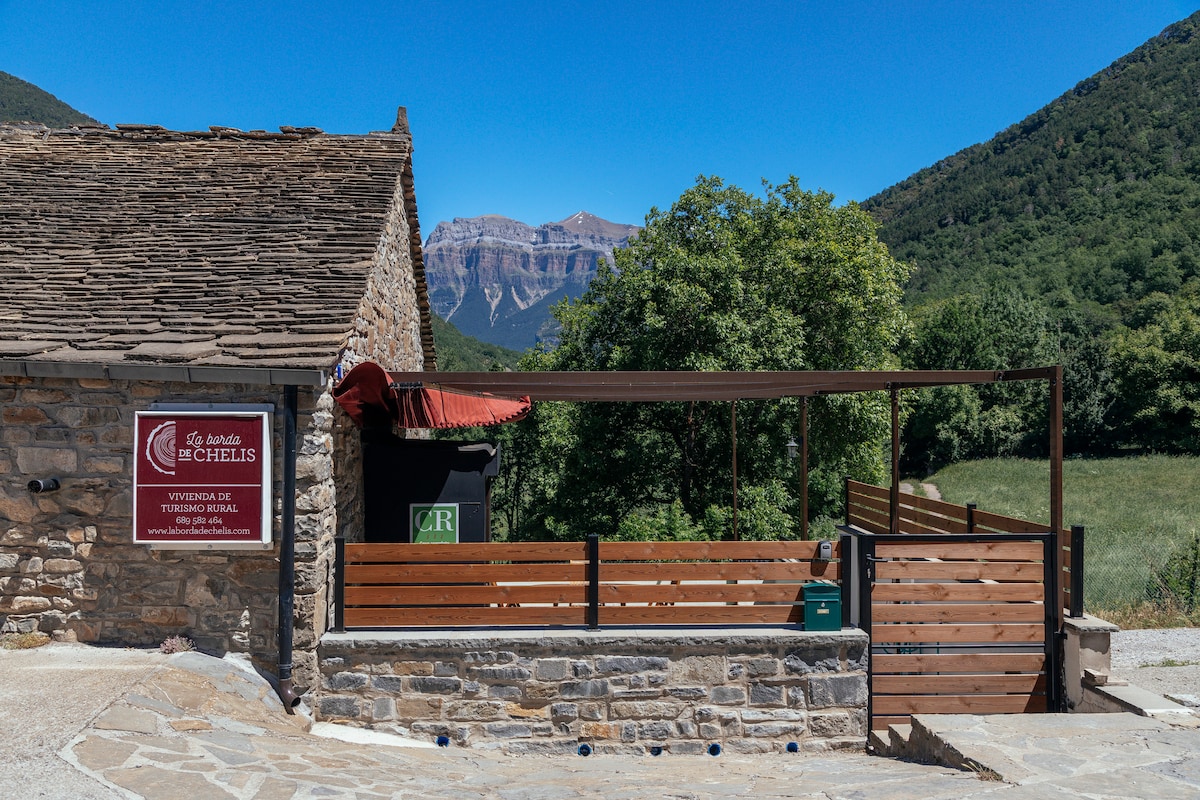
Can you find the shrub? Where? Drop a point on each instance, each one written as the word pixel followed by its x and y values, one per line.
pixel 1178 581
pixel 177 644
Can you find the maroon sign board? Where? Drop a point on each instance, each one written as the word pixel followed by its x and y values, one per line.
pixel 202 479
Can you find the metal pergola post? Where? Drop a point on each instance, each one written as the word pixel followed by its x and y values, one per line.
pixel 1056 478
pixel 804 468
pixel 894 510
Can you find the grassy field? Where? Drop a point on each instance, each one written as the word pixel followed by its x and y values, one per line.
pixel 1140 514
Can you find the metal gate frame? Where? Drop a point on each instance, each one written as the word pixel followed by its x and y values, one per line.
pixel 859 581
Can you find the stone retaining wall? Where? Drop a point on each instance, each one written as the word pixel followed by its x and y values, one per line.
pixel 547 692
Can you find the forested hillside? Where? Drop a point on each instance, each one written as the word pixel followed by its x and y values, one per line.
pixel 457 352
pixel 1094 198
pixel 1071 237
pixel 21 101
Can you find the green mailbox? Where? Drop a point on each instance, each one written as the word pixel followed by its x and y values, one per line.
pixel 822 607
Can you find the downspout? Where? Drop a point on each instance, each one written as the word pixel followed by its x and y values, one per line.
pixel 287 553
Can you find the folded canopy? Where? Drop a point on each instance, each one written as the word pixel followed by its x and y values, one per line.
pixel 372 400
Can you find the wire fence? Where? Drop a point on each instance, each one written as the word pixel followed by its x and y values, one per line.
pixel 1148 570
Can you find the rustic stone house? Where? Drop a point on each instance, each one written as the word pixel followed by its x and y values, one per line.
pixel 142 266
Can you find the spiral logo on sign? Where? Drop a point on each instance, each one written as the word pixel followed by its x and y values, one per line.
pixel 160 448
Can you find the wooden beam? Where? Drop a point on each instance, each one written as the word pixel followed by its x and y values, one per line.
pixel 1022 571
pixel 454 617
pixel 958 592
pixel 957 612
pixel 733 438
pixel 661 386
pixel 970 551
pixel 961 704
pixel 958 633
pixel 1032 683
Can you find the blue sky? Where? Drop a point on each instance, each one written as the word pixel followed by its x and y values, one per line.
pixel 538 110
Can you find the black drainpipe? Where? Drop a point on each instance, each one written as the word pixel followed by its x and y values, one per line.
pixel 287 553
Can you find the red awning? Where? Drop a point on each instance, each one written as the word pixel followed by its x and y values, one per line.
pixel 372 400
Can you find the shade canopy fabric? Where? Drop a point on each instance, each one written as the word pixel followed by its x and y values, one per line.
pixel 372 400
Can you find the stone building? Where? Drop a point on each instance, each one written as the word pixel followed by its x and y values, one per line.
pixel 144 266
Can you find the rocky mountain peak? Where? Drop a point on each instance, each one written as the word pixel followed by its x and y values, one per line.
pixel 583 222
pixel 494 228
pixel 496 277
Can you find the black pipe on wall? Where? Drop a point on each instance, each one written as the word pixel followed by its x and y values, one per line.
pixel 287 552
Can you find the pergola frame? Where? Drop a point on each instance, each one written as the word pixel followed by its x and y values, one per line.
pixel 730 387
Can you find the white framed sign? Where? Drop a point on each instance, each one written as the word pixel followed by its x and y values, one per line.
pixel 202 478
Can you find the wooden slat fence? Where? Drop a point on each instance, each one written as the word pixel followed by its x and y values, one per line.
pixel 577 583
pixel 867 508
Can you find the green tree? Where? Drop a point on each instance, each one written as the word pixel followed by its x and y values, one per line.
pixel 1091 200
pixel 1085 352
pixel 723 280
pixel 1156 362
pixel 998 330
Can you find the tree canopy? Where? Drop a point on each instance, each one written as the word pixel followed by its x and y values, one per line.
pixel 1084 214
pixel 723 280
pixel 1157 364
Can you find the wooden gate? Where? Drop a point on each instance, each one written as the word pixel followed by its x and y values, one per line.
pixel 959 624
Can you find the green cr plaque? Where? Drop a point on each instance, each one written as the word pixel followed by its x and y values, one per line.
pixel 433 523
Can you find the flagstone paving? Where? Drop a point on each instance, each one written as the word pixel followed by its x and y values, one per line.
pixel 192 726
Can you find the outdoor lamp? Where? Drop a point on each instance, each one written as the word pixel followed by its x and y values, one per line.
pixel 792 447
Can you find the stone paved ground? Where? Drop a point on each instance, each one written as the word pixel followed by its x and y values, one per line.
pixel 201 727
pixel 189 726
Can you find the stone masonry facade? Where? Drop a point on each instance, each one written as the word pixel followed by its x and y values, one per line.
pixel 619 693
pixel 68 565
pixel 388 329
pixel 67 562
pixel 391 320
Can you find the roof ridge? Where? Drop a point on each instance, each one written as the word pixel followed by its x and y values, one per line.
pixel 144 131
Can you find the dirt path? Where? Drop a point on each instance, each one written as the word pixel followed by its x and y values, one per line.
pixel 928 489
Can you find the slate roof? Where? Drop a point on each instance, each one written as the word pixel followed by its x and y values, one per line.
pixel 218 248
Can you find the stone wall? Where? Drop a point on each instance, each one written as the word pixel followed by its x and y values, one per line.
pixel 548 692
pixel 387 329
pixel 319 468
pixel 67 562
pixel 348 478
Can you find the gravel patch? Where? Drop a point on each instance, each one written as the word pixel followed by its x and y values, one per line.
pixel 1139 656
pixel 1143 648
